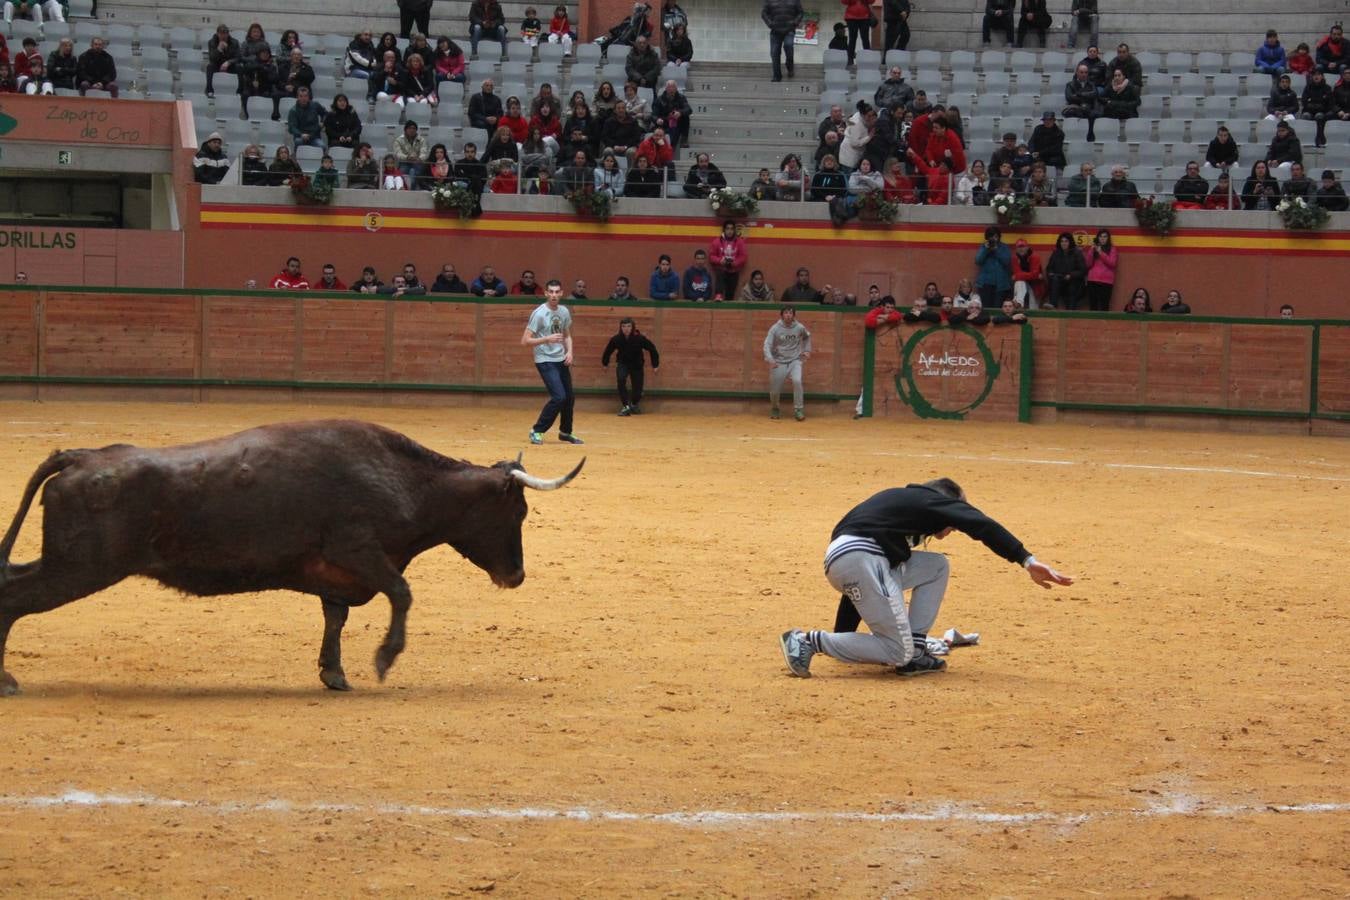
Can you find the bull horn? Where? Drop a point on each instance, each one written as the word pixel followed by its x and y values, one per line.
pixel 545 484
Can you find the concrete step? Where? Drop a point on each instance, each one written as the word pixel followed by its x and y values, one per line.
pixel 756 134
pixel 770 110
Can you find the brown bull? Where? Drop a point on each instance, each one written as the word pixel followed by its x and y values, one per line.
pixel 332 508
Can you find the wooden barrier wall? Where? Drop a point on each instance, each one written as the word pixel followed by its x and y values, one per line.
pixel 951 373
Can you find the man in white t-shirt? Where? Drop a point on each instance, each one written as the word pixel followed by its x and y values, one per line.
pixel 549 332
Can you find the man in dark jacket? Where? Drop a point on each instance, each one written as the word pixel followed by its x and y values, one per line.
pixel 893 90
pixel 1096 66
pixel 293 73
pixel 1333 54
pixel 871 561
pixel 1299 185
pixel 211 163
pixel 1035 17
pixel 998 16
pixel 222 53
pixel 1119 192
pixel 486 19
pixel 96 70
pixel 782 18
pixel 1047 142
pixel 629 344
pixel 671 109
pixel 62 65
pixel 414 13
pixel 621 132
pixel 1191 187
pixel 895 13
pixel 485 108
pixel 643 65
pixel 1083 14
pixel 1127 63
pixel 449 282
pixel 703 178
pixel 1331 196
pixel 305 120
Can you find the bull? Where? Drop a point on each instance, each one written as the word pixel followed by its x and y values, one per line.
pixel 332 508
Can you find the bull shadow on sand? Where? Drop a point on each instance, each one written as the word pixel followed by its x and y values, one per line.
pixel 373 692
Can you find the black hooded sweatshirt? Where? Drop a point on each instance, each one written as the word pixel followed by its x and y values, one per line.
pixel 630 350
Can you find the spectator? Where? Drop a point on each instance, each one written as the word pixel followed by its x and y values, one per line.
pixel 363 172
pixel 549 125
pixel 1047 143
pixel 1021 163
pixel 387 81
pixel 1282 105
pixel 1286 311
pixel 1340 94
pixel 643 65
pixel 1121 98
pixel 485 107
pixel 939 179
pixel 860 21
pixel 515 121
pixel 762 188
pixel 605 100
pixel 781 17
pixel 410 276
pixel 1191 189
pixel 1040 187
pixel 1223 150
pixel 305 121
pixel 368 284
pixel 31 72
pixel 672 16
pixel 579 176
pixel 471 172
pixel 1331 195
pixel 703 178
pixel 1284 149
pixel 971 314
pixel 1006 152
pixel 1009 314
pixel 828 181
pixel 579 289
pixel 998 16
pixel 1299 185
pixel 790 181
pixel 786 347
pixel 1301 60
pixel 643 181
pixel 622 135
pixel 418 46
pixel 897 186
pixel 255 172
pixel 665 281
pixel 342 125
pixel 1174 305
pixel 922 312
pixel 291 278
pixel 24 9
pixel 1139 302
pixel 293 73
pixel 96 70
pixel 1035 17
pixel 829 144
pixel 1319 104
pixel 1027 275
pixel 636 105
pixel 361 58
pixel 697 283
pixel 895 13
pixel 259 80
pixel 1270 58
pixel 501 146
pixel 801 290
pixel 388 43
pixel 835 121
pixel 861 182
pixel 1065 273
pixel 560 30
pixel 222 55
pixel 728 255
pixel 1332 53
pixel 993 262
pixel 326 178
pixel 671 111
pixel 290 40
pixel 1096 67
pixel 973 187
pixel 1082 14
pixel 1119 192
pixel 211 163
pixel 401 288
pixel 628 344
pixel 392 177
pixel 894 90
pixel 439 169
pixel 609 178
pixel 487 284
pixel 840 39
pixel 411 150
pixel 62 65
pixel 283 167
pixel 531 29
pixel 857 136
pixel 527 286
pixel 1101 259
pixel 1223 197
pixel 8 83
pixel 931 296
pixel 329 280
pixel 417 87
pixel 627 31
pixel 965 294
pixel 1127 65
pixel 449 282
pixel 757 290
pixel 1082 99
pixel 449 62
pixel 486 19
pixel 930 138
pixel 621 290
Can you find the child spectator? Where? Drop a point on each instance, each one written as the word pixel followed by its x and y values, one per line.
pixel 531 28
pixel 628 345
pixel 665 282
pixel 560 30
pixel 505 180
pixel 1270 58
pixel 328 176
pixel 697 283
pixel 1301 60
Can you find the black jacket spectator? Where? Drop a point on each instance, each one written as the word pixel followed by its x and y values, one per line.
pixel 642 181
pixel 1332 198
pixel 61 69
pixel 1047 144
pixel 501 149
pixel 643 66
pixel 1118 194
pixel 291 78
pixel 1122 103
pixel 217 55
pixel 1130 66
pixel 665 104
pixel 1222 153
pixel 343 127
pixel 781 16
pixel 487 13
pixel 474 171
pixel 443 285
pixel 1284 147
pixel 1190 189
pixel 211 163
pixel 699 183
pixel 281 171
pixel 679 49
pixel 1300 187
pixel 481 106
pixel 255 172
pixel 893 91
pixel 625 133
pixel 1096 70
pixel 1258 193
pixel 1080 96
pixel 361 54
pixel 1318 100
pixel 95 67
pixel 1282 101
pixel 363 173
pixel 827 183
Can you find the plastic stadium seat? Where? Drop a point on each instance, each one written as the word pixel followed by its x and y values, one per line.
pixel 837 79
pixel 1022 61
pixel 489 50
pixel 121 34
pixel 1172 131
pixel 1055 63
pixel 80 9
pixel 514 71
pixel 902 58
pixel 587 53
pixel 341 155
pixel 615 73
pixel 1138 130
pixel 869 59
pixel 993 60
pixel 965 81
pixel 387 112
pixel 156 80
pixel 835 59
pixel 183 38
pixel 1151 154
pixel 551 53
pixel 1151 62
pixel 1209 63
pixel 1151 106
pixel 84 32
pixel 1027 106
pixel 927 59
pixel 1177 61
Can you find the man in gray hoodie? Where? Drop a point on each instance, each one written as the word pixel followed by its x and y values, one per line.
pixel 786 346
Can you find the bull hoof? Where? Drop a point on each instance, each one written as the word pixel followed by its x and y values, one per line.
pixel 8 686
pixel 335 679
pixel 384 658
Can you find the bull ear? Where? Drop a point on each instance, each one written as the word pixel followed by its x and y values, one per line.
pixel 520 458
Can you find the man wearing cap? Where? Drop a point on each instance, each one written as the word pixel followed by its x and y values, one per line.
pixel 1047 143
pixel 210 164
pixel 1331 196
pixel 1005 152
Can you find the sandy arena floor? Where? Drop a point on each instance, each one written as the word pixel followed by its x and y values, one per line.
pixel 623 725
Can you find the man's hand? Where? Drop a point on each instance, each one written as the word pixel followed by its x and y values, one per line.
pixel 806 354
pixel 1046 576
pixel 771 364
pixel 567 360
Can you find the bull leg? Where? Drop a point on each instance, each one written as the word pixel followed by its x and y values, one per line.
pixel 330 655
pixel 363 558
pixel 400 599
pixel 39 587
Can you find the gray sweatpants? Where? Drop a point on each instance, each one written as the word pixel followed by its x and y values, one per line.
pixel 877 591
pixel 781 371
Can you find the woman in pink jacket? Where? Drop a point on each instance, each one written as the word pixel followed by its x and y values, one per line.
pixel 727 256
pixel 1101 259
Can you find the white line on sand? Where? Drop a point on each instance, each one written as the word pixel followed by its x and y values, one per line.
pixel 1180 805
pixel 1215 470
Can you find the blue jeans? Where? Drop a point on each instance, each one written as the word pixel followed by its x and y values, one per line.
pixel 780 43
pixel 558 380
pixel 476 35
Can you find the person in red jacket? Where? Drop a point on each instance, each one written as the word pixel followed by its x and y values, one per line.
pixel 657 149
pixel 329 281
pixel 727 256
pixel 939 178
pixel 933 140
pixel 290 278
pixel 1027 275
pixel 884 313
pixel 858 17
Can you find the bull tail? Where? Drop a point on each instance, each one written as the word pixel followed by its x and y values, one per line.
pixel 57 462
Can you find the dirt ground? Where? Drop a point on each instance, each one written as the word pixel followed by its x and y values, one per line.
pixel 623 725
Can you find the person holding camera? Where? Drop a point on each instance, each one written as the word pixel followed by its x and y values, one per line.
pixel 994 262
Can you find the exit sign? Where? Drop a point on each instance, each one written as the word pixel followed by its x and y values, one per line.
pixel 65 157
